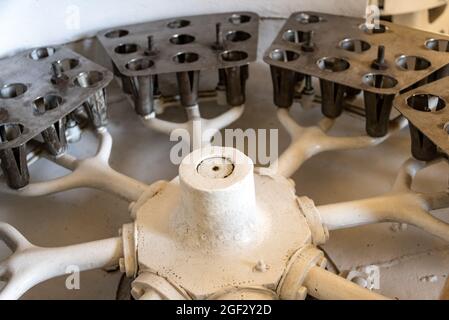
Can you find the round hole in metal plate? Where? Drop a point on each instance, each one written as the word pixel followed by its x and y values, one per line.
pixel 438 45
pixel 42 53
pixel 186 57
pixel 354 45
pixel 426 102
pixel 139 64
pixel 234 55
pixel 59 80
pixel 181 39
pixel 333 64
pixel 12 90
pixel 116 33
pixel 88 79
pixel 306 18
pixel 180 23
pixel 239 18
pixel 296 36
pixel 283 55
pixel 10 132
pixel 414 63
pixel 126 48
pixel 237 36
pixel 65 65
pixel 380 81
pixel 46 103
pixel 373 29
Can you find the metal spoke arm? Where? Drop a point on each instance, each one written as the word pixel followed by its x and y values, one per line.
pixel 93 172
pixel 305 275
pixel 401 204
pixel 325 285
pixel 29 264
pixel 199 130
pixel 309 141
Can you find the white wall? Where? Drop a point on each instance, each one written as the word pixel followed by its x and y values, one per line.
pixel 31 23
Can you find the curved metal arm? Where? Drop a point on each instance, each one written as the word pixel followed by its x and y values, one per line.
pixel 30 264
pixel 93 172
pixel 401 204
pixel 309 141
pixel 199 130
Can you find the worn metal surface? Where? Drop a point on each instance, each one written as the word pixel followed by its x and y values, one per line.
pixel 327 59
pixel 427 109
pixel 219 226
pixel 405 256
pixel 39 87
pixel 183 44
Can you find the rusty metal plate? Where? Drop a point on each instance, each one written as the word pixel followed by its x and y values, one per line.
pixel 32 98
pixel 183 44
pixel 427 107
pixel 343 52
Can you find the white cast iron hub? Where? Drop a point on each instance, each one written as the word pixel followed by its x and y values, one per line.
pixel 219 225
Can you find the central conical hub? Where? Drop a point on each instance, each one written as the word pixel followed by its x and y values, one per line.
pixel 218 196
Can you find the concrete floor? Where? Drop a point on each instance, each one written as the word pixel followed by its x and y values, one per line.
pixel 407 258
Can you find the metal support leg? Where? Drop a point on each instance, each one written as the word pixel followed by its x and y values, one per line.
pixel 142 88
pixel 332 95
pixel 235 83
pixel 188 84
pixel 96 109
pixel 377 109
pixel 284 81
pixel 14 160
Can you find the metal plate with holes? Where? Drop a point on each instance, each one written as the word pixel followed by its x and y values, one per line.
pixel 30 99
pixel 427 107
pixel 344 49
pixel 183 44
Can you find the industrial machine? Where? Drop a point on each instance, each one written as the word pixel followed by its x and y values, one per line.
pixel 224 227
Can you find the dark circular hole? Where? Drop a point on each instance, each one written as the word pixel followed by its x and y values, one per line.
pixel 426 102
pixel 186 57
pixel 66 64
pixel 116 33
pixel 438 45
pixel 12 90
pixel 412 63
pixel 333 64
pixel 182 39
pixel 88 79
pixel 373 30
pixel 41 53
pixel 126 48
pixel 355 45
pixel 176 24
pixel 239 18
pixel 283 55
pixel 380 81
pixel 139 64
pixel 306 18
pixel 234 55
pixel 46 103
pixel 10 131
pixel 215 168
pixel 296 36
pixel 62 79
pixel 237 36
